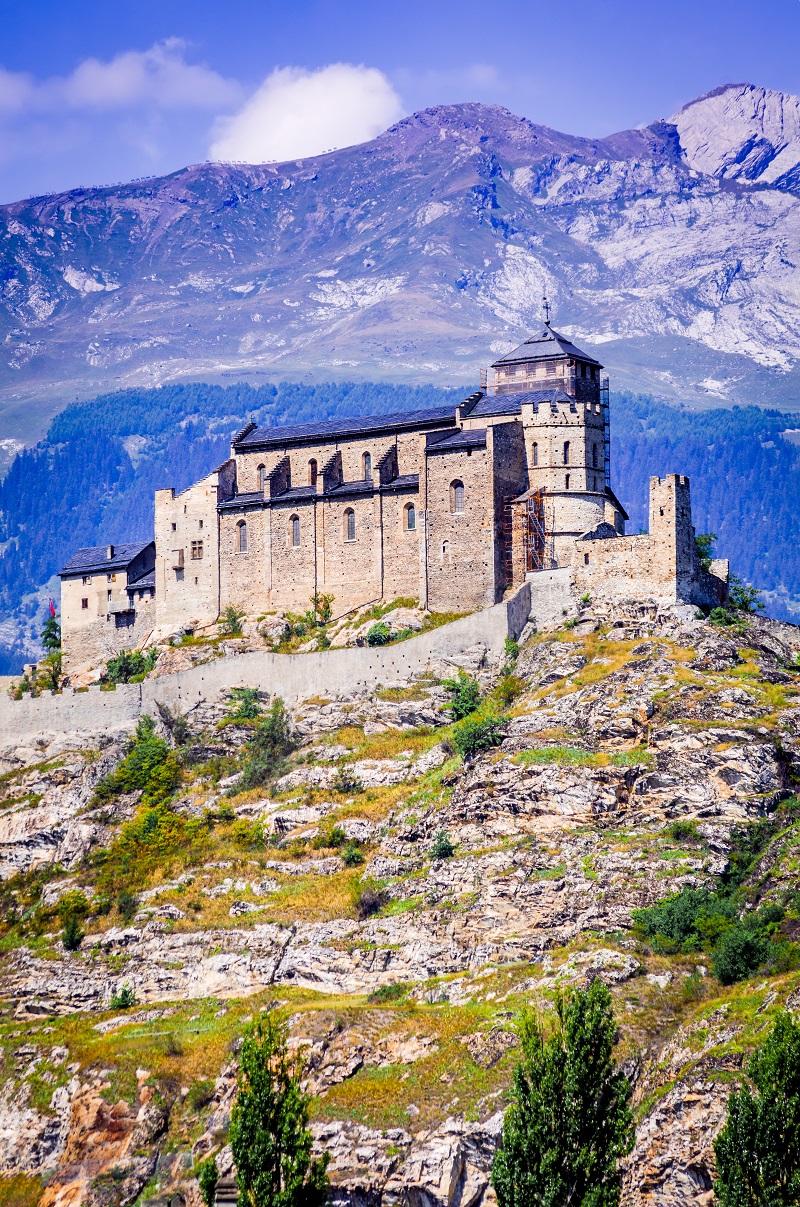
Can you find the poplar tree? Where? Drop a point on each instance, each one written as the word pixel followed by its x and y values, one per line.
pixel 758 1149
pixel 269 1135
pixel 569 1121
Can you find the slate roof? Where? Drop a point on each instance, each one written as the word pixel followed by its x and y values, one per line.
pixel 545 345
pixel 91 561
pixel 330 429
pixel 147 580
pixel 468 438
pixel 253 498
pixel 511 404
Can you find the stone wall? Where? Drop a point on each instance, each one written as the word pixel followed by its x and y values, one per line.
pixel 460 546
pixel 25 722
pixel 95 643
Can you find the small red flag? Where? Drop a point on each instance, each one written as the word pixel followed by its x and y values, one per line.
pixel 52 608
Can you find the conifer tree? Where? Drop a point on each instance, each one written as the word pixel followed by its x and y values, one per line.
pixel 569 1121
pixel 51 634
pixel 758 1149
pixel 269 1135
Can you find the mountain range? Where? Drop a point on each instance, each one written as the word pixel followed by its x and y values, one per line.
pixel 670 251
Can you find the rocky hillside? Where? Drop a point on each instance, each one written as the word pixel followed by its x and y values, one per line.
pixel 670 250
pixel 401 901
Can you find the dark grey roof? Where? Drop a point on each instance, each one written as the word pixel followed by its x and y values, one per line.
pixel 454 441
pixel 87 561
pixel 511 404
pixel 147 580
pixel 402 482
pixel 253 498
pixel 546 345
pixel 330 429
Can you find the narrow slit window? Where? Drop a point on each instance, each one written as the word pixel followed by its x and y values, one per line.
pixel 566 482
pixel 456 497
pixel 411 517
pixel 312 472
pixel 294 525
pixel 535 453
pixel 366 461
pixel 241 536
pixel 566 452
pixel 349 525
pixel 262 478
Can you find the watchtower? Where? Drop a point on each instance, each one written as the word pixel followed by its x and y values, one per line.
pixel 563 405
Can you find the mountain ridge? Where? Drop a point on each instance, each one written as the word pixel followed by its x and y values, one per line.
pixel 420 255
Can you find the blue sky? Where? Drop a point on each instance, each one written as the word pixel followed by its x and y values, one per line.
pixel 94 93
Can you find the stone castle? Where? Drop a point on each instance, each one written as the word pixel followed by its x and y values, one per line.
pixel 454 506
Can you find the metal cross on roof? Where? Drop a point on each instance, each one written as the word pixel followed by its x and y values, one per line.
pixel 546 308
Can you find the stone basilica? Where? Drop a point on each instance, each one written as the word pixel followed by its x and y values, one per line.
pixel 453 506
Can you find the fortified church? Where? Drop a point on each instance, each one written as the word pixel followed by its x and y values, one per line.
pixel 454 506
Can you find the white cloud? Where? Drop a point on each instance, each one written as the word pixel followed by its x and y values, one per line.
pixel 158 77
pixel 296 113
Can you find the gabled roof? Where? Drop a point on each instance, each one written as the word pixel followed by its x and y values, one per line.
pixel 545 345
pixel 89 561
pixel 331 429
pixel 511 404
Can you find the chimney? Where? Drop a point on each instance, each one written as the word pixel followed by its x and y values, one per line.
pixel 109 552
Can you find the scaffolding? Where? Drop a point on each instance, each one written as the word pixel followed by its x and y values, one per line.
pixel 604 405
pixel 527 538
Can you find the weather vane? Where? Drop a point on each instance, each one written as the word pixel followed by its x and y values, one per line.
pixel 546 308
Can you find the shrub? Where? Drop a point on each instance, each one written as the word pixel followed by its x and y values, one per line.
pixel 465 695
pixel 269 1135
pixel 346 782
pixel 72 903
pixel 122 999
pixel 127 904
pixel 175 723
pixel 329 837
pixel 508 689
pixel 51 671
pixel 474 736
pixel 249 835
pixel 569 1122
pixel 72 934
pixel 442 847
pixel 207 1178
pixel 379 634
pixel 149 766
pixel 684 831
pixel 126 665
pixel 244 704
pixel 722 616
pixel 368 899
pixel 352 855
pixel 511 649
pixel 267 750
pixel 231 623
pixel 388 993
pixel 739 952
pixel 743 597
pixel 200 1094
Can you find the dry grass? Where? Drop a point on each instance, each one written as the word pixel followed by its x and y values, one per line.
pixel 23 1190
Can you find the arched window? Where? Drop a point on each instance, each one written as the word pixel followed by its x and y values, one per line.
pixel 262 477
pixel 366 461
pixel 456 497
pixel 241 536
pixel 594 456
pixel 535 453
pixel 349 525
pixel 445 550
pixel 294 529
pixel 411 517
pixel 566 452
pixel 312 472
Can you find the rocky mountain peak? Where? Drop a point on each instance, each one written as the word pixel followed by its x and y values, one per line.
pixel 743 132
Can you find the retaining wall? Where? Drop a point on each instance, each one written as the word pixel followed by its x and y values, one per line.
pixel 292 676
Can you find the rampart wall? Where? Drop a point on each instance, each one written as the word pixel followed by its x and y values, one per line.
pixel 40 721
